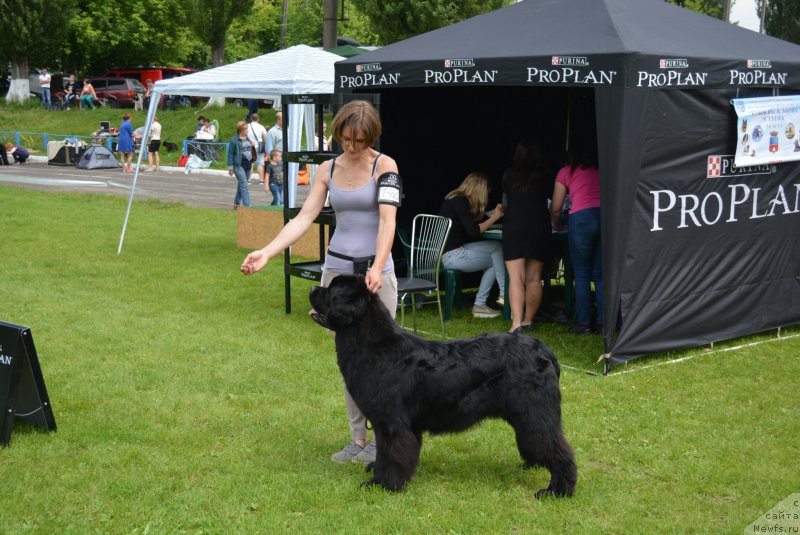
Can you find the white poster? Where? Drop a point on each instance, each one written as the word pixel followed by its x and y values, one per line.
pixel 766 131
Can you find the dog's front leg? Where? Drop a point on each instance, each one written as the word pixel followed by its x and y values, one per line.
pixel 397 458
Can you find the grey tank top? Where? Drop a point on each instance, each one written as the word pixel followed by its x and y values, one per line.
pixel 357 220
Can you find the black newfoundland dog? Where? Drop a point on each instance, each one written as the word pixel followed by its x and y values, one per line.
pixel 406 385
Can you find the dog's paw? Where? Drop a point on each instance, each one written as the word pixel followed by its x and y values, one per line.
pixel 554 493
pixel 367 484
pixel 370 467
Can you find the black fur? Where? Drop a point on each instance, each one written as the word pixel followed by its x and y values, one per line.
pixel 406 385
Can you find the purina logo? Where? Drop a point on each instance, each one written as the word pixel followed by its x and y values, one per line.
pixel 759 64
pixel 570 60
pixel 448 63
pixel 368 67
pixel 673 63
pixel 721 166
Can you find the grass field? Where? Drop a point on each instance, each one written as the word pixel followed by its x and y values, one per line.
pixel 176 125
pixel 187 401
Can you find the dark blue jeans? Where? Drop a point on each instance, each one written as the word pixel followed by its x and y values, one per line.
pixel 585 255
pixel 277 194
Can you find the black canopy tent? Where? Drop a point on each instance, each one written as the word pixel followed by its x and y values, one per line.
pixel 689 256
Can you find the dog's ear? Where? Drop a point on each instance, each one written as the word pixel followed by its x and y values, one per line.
pixel 348 301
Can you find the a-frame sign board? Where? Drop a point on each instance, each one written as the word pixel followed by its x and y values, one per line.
pixel 22 391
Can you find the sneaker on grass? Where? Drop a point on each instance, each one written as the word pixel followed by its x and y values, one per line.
pixel 367 455
pixel 482 311
pixel 348 453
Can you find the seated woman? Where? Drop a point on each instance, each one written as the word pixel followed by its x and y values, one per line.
pixel 88 95
pixel 71 91
pixel 207 132
pixel 465 251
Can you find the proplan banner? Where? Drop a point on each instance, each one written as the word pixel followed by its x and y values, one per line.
pixel 766 131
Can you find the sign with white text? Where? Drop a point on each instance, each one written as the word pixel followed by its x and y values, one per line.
pixel 22 391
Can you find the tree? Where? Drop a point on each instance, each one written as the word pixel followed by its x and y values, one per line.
pixel 104 35
pixel 712 8
pixel 210 20
pixel 394 20
pixel 30 30
pixel 782 19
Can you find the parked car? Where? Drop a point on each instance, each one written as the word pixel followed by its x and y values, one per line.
pixel 117 92
pixel 155 74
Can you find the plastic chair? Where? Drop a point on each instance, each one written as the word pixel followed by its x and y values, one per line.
pixel 428 237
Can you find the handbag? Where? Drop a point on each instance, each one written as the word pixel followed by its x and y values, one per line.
pixel 261 145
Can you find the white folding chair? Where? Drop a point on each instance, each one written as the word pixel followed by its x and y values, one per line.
pixel 428 237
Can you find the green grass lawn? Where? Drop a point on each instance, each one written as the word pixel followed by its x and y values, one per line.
pixel 176 125
pixel 187 401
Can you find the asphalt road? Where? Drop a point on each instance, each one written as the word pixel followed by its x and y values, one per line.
pixel 202 188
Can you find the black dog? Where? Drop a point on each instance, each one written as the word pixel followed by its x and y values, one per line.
pixel 406 385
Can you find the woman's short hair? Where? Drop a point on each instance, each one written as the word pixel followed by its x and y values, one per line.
pixel 476 190
pixel 126 116
pixel 240 126
pixel 358 115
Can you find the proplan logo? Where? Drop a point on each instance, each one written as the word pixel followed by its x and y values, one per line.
pixel 673 63
pixel 721 166
pixel 449 63
pixel 759 64
pixel 368 67
pixel 570 60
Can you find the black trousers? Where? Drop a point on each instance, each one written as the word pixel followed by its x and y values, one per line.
pixel 3 155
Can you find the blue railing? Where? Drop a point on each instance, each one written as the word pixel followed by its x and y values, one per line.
pixel 46 136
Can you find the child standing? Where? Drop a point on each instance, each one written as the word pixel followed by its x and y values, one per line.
pixel 276 177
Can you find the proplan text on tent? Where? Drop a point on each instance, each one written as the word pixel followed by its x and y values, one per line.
pixel 736 201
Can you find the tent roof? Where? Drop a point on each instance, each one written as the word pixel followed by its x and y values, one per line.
pixel 294 70
pixel 602 30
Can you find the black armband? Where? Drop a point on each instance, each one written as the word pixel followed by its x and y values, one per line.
pixel 390 189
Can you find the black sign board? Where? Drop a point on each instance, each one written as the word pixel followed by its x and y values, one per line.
pixel 22 391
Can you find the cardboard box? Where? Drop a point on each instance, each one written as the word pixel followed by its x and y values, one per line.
pixel 258 225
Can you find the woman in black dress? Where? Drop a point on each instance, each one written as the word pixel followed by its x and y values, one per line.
pixel 526 232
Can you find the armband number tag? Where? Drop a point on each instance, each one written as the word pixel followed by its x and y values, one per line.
pixel 390 189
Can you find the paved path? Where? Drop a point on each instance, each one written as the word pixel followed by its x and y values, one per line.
pixel 203 188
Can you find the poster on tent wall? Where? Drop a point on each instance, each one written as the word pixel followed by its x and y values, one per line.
pixel 711 249
pixel 766 131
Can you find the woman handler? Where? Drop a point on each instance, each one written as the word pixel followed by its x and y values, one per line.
pixel 364 188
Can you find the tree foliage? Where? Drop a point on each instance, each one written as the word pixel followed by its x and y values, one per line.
pixel 712 8
pixel 782 19
pixel 211 19
pixel 105 35
pixel 31 32
pixel 394 20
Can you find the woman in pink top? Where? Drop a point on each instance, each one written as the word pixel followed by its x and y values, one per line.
pixel 581 179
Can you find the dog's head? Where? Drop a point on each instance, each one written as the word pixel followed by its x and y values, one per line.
pixel 344 302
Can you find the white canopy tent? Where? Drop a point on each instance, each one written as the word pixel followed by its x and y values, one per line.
pixel 296 70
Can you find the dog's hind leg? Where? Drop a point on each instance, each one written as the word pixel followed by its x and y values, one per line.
pixel 542 443
pixel 396 459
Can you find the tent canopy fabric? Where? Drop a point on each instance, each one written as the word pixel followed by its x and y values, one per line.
pixel 694 249
pixel 295 70
pixel 624 36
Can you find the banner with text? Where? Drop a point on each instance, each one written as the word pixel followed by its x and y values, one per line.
pixel 766 131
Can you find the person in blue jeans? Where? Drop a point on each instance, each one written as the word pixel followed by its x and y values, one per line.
pixel 240 162
pixel 581 180
pixel 276 177
pixel 465 250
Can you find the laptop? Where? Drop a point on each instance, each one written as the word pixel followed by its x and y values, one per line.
pixel 105 126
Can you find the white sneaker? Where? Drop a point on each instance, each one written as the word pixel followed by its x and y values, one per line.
pixel 482 311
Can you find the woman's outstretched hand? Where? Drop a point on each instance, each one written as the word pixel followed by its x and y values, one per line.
pixel 255 261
